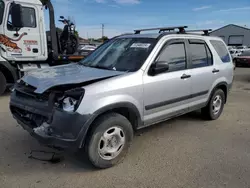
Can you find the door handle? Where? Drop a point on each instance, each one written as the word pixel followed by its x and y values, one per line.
pixel 35 50
pixel 215 71
pixel 185 76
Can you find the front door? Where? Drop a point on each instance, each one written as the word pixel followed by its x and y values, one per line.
pixel 25 43
pixel 167 94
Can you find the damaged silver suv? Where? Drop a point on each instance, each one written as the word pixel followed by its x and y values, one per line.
pixel 128 83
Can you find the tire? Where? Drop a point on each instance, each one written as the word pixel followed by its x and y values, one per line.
pixel 104 127
pixel 210 112
pixel 72 45
pixel 234 62
pixel 3 83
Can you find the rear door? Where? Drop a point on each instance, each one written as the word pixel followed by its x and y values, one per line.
pixel 224 62
pixel 201 69
pixel 26 43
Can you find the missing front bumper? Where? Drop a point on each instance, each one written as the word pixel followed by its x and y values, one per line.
pixel 52 127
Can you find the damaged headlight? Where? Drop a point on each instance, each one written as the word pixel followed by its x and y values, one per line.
pixel 72 99
pixel 69 104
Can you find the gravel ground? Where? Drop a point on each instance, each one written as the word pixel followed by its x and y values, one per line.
pixel 183 152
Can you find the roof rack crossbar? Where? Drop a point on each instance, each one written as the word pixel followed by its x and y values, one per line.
pixel 162 29
pixel 205 31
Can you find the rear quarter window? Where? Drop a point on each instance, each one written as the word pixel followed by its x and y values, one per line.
pixel 221 50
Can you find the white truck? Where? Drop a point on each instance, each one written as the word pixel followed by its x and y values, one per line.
pixel 24 42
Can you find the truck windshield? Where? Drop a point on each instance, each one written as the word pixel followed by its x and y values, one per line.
pixel 1 11
pixel 121 54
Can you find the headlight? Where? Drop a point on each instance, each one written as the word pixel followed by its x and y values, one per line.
pixel 72 99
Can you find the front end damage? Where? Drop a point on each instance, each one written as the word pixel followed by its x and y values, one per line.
pixel 50 117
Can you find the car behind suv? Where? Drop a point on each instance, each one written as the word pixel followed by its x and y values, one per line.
pixel 128 83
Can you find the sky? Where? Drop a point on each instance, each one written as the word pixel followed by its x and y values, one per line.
pixel 123 16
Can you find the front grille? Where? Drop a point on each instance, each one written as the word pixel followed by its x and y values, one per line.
pixel 31 119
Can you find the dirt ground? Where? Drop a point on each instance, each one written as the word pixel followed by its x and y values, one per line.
pixel 183 152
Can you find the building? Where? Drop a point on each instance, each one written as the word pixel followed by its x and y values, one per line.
pixel 233 35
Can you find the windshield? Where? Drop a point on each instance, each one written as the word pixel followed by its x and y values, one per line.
pixel 247 53
pixel 1 11
pixel 121 54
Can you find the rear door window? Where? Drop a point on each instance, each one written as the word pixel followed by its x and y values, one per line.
pixel 221 50
pixel 200 55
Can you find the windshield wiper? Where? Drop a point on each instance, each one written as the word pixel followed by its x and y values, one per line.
pixel 98 67
pixel 102 67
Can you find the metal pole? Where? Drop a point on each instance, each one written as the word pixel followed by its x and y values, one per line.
pixel 102 30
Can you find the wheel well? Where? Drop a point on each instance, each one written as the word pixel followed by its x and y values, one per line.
pixel 7 73
pixel 127 112
pixel 223 87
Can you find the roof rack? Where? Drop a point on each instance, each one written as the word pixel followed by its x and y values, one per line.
pixel 162 29
pixel 205 31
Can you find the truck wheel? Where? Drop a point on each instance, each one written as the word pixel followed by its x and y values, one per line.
pixel 215 106
pixel 2 83
pixel 109 140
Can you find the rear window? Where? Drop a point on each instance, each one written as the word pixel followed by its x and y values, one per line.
pixel 221 50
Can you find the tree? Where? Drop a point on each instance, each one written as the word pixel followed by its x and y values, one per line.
pixel 104 38
pixel 44 2
pixel 59 30
pixel 76 33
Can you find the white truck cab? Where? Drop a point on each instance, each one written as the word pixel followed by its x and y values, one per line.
pixel 29 42
pixel 24 43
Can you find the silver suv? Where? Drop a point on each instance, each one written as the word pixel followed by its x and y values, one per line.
pixel 128 83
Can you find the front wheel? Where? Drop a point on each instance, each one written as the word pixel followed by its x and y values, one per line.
pixel 109 141
pixel 215 106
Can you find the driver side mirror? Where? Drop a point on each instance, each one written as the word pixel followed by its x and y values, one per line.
pixel 17 16
pixel 159 67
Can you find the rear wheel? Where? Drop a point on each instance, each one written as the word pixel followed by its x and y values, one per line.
pixel 215 106
pixel 109 140
pixel 2 83
pixel 72 44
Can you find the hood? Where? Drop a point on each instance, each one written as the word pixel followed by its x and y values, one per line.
pixel 44 79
